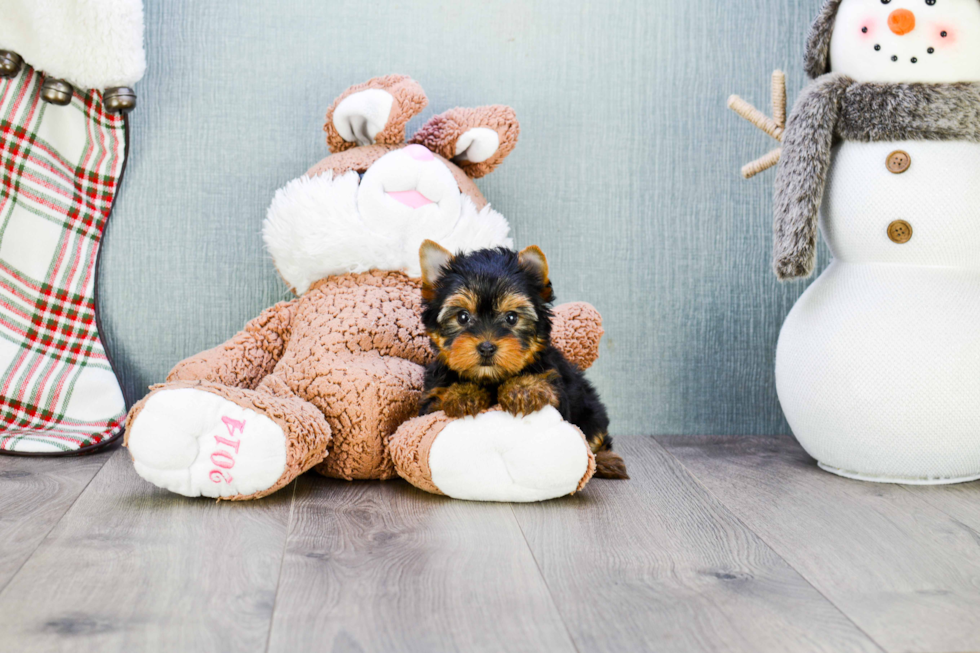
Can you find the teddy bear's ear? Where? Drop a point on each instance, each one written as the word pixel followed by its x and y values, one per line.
pixel 476 140
pixel 373 112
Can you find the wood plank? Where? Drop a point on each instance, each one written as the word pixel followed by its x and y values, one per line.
pixel 905 572
pixel 961 501
pixel 34 494
pixel 133 567
pixel 656 563
pixel 386 567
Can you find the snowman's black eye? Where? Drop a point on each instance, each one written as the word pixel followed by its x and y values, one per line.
pixel 931 50
pixel 930 2
pixel 885 2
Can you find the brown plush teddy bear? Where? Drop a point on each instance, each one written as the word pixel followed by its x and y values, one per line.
pixel 332 379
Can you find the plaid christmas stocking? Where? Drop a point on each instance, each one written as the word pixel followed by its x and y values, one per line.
pixel 59 170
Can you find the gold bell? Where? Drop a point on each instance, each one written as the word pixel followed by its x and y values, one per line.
pixel 119 99
pixel 57 91
pixel 10 63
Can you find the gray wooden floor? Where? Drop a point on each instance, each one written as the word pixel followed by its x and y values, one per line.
pixel 717 544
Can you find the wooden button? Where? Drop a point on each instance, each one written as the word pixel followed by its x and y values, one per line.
pixel 898 162
pixel 900 232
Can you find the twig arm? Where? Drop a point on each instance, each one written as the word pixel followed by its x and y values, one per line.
pixel 779 98
pixel 762 164
pixel 756 117
pixel 775 126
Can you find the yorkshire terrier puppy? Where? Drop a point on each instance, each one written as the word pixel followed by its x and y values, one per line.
pixel 488 316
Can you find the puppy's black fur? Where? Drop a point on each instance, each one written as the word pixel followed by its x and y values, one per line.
pixel 488 316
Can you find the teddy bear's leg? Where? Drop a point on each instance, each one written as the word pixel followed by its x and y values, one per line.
pixel 494 456
pixel 364 397
pixel 205 439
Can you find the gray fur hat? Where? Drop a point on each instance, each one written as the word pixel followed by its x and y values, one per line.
pixel 817 57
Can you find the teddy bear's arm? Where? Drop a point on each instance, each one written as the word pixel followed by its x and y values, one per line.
pixel 248 357
pixel 576 331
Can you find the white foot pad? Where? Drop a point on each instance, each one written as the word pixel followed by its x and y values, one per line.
pixel 498 457
pixel 196 443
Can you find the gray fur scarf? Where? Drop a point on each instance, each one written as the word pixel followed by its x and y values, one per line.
pixel 836 107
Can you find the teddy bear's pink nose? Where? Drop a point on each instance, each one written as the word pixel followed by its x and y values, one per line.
pixel 419 152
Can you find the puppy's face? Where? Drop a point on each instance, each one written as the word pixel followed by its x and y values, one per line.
pixel 487 332
pixel 486 312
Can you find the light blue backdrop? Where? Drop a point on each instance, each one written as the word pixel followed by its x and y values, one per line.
pixel 625 174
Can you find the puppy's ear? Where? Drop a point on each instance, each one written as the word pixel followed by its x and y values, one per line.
pixel 477 140
pixel 533 261
pixel 373 112
pixel 434 259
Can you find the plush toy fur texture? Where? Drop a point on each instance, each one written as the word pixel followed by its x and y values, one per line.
pixel 408 100
pixel 313 230
pixel 802 175
pixel 817 57
pixel 897 112
pixel 351 351
pixel 833 107
pixel 335 349
pixel 441 133
pixel 348 355
pixel 360 159
pixel 92 44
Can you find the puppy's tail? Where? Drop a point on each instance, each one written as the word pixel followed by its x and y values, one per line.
pixel 608 464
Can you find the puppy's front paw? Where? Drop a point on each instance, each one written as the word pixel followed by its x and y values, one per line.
pixel 523 395
pixel 462 399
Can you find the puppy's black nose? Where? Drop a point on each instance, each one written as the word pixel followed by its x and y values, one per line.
pixel 486 349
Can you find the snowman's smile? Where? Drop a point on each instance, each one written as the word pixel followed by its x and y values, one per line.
pixel 914 59
pixel 410 198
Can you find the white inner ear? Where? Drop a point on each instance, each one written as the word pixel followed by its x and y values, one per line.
pixel 361 116
pixel 477 145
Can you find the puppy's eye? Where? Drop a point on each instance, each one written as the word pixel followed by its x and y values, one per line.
pixel 511 318
pixel 463 318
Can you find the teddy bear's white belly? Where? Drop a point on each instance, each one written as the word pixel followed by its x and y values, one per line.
pixel 878 364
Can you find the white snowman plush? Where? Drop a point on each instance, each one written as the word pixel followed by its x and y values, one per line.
pixel 878 364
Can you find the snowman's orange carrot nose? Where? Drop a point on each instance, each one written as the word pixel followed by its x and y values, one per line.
pixel 901 21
